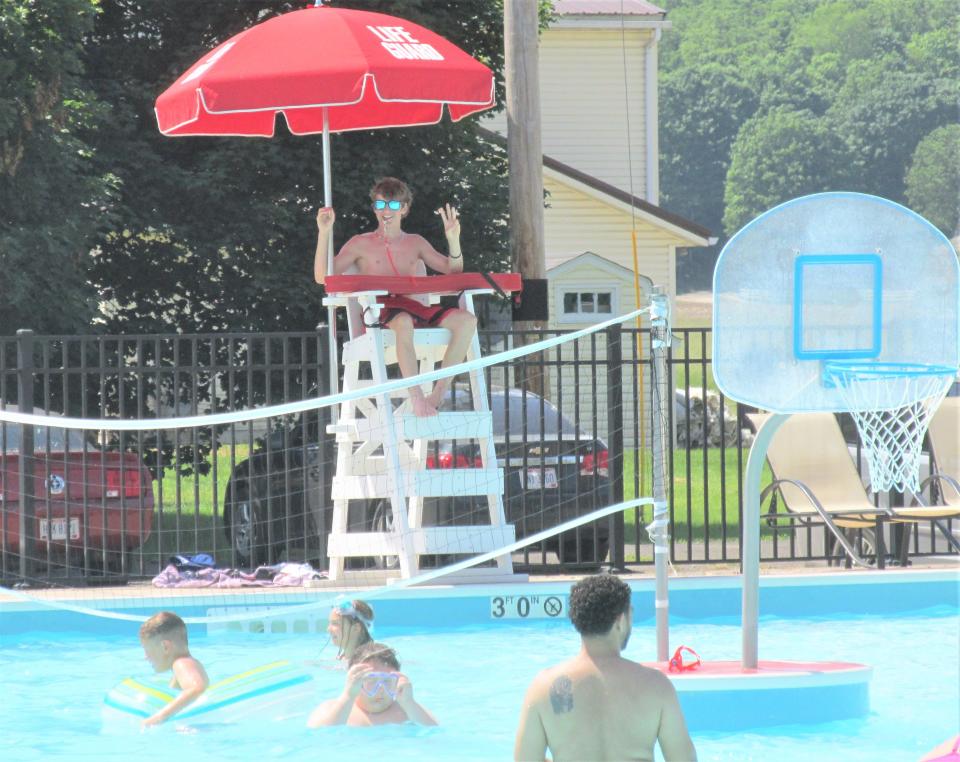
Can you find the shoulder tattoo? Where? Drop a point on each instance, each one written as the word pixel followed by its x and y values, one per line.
pixel 561 695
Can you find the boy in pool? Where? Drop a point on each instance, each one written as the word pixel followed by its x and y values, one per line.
pixel 164 640
pixel 390 251
pixel 376 692
pixel 349 626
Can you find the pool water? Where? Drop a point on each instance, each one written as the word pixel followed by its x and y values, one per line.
pixel 473 678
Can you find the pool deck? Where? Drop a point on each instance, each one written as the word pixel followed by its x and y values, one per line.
pixel 726 574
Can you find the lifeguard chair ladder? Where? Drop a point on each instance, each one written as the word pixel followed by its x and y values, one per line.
pixel 382 454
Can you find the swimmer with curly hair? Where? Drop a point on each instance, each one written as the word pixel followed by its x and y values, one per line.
pixel 598 705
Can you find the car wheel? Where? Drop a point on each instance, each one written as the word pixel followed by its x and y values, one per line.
pixel 246 524
pixel 382 521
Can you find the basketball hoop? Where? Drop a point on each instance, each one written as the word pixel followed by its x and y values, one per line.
pixel 892 404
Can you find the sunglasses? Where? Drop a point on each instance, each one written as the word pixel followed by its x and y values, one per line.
pixel 374 681
pixel 394 206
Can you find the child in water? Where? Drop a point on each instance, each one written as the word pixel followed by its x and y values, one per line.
pixel 375 692
pixel 164 640
pixel 350 626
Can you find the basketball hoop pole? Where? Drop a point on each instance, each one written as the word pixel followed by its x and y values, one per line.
pixel 750 549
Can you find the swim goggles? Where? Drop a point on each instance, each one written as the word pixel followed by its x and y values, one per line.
pixel 677 663
pixel 394 206
pixel 346 609
pixel 373 681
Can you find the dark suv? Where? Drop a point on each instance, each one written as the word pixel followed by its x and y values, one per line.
pixel 552 473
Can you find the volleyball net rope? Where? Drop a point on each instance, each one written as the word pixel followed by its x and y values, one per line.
pixel 238 515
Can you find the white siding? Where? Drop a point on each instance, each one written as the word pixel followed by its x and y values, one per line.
pixel 583 103
pixel 575 222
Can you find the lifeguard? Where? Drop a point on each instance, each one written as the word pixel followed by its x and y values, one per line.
pixel 389 251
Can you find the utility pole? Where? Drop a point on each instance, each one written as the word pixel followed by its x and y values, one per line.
pixel 525 156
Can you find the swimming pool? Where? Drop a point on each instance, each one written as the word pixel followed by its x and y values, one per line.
pixel 471 668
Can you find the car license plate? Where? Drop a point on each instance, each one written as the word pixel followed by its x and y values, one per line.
pixel 541 477
pixel 59 529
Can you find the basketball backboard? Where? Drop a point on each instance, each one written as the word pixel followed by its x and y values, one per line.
pixel 830 277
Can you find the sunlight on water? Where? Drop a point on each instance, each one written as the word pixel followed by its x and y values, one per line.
pixel 473 679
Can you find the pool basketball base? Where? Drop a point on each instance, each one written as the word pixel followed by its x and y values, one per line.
pixel 838 302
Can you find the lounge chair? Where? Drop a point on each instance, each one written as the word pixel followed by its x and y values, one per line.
pixel 818 482
pixel 943 437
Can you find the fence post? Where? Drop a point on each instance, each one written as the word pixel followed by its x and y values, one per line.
pixel 615 436
pixel 26 523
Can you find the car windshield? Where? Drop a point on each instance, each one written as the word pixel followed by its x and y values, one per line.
pixel 12 433
pixel 542 416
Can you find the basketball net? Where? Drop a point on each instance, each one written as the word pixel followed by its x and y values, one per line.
pixel 892 404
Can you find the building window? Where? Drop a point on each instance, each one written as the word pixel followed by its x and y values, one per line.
pixel 587 305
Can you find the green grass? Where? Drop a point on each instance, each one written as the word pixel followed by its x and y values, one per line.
pixel 702 506
pixel 190 520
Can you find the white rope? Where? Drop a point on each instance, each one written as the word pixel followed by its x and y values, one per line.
pixel 240 416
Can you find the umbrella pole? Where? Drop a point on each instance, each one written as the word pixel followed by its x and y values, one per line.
pixel 331 310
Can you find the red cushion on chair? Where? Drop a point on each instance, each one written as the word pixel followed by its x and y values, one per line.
pixel 429 284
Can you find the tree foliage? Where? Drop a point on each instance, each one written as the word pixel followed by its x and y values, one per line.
pixel 52 195
pixel 786 97
pixel 778 155
pixel 933 180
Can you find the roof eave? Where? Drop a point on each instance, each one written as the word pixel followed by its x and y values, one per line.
pixel 602 21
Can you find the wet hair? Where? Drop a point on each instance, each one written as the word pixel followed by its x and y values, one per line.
pixel 391 188
pixel 376 651
pixel 360 612
pixel 164 624
pixel 596 602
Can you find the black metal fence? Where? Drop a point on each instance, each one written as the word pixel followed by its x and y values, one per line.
pixel 258 491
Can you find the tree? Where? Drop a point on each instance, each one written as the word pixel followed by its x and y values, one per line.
pixel 880 112
pixel 879 74
pixel 933 180
pixel 51 192
pixel 777 156
pixel 701 113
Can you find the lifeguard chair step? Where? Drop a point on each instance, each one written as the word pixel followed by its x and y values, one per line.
pixel 468 540
pixel 430 483
pixel 470 424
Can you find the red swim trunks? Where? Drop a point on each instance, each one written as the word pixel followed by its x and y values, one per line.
pixel 424 315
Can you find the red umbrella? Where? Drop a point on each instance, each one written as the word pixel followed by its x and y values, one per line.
pixel 325 70
pixel 361 70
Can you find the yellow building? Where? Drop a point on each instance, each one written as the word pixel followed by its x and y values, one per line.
pixel 598 91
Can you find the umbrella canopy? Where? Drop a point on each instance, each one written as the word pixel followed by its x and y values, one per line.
pixel 360 70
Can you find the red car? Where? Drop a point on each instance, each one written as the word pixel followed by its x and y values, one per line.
pixel 83 497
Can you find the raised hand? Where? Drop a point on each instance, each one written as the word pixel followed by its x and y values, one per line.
pixel 325 218
pixel 404 691
pixel 355 676
pixel 451 221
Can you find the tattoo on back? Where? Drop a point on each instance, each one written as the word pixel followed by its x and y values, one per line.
pixel 561 695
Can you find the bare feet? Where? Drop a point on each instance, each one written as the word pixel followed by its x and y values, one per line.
pixel 435 397
pixel 422 408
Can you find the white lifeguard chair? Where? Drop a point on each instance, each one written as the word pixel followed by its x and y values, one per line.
pixel 382 451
